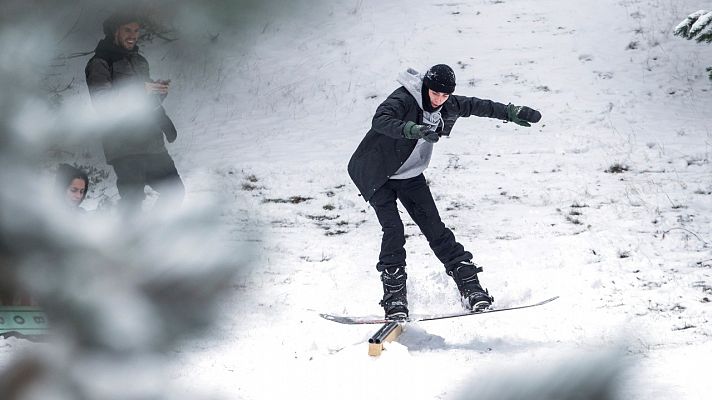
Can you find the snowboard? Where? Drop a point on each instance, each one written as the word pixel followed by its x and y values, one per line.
pixel 22 321
pixel 344 319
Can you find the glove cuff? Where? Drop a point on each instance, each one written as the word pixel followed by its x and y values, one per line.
pixel 512 112
pixel 407 129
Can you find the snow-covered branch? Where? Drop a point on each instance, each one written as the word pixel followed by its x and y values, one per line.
pixel 697 25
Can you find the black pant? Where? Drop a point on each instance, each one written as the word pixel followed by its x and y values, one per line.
pixel 158 171
pixel 415 196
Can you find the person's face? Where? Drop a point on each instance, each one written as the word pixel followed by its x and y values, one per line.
pixel 436 98
pixel 75 192
pixel 127 35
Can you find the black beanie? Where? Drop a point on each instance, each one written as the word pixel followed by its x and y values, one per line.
pixel 117 19
pixel 440 78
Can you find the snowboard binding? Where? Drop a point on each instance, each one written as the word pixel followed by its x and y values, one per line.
pixel 395 296
pixel 474 297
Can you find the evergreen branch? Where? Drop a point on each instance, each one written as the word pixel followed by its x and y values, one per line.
pixel 700 24
pixel 706 37
pixel 685 28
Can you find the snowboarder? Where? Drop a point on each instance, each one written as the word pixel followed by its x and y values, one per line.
pixel 131 104
pixel 389 163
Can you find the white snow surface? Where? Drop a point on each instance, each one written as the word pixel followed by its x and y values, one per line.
pixel 272 117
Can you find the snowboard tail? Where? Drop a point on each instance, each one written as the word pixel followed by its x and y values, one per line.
pixel 350 320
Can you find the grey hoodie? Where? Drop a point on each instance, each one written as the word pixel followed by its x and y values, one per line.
pixel 419 159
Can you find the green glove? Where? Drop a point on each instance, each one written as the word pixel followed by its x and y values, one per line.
pixel 411 130
pixel 522 115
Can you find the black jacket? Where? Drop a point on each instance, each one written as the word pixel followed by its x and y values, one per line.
pixel 384 149
pixel 114 75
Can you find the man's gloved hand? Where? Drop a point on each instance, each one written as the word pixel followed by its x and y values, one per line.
pixel 431 136
pixel 522 115
pixel 411 130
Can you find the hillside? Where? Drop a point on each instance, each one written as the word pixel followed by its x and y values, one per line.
pixel 606 203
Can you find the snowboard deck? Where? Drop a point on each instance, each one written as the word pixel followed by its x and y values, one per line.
pixel 351 320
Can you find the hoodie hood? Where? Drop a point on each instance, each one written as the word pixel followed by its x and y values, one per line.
pixel 412 80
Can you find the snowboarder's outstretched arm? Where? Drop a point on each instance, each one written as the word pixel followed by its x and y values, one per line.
pixel 469 106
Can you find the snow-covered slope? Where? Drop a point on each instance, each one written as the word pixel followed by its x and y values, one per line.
pixel 607 202
pixel 629 252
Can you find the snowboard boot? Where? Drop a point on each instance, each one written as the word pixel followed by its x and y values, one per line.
pixel 395 297
pixel 474 297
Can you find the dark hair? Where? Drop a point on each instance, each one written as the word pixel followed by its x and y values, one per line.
pixel 117 19
pixel 66 174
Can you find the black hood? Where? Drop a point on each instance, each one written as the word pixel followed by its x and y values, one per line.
pixel 107 50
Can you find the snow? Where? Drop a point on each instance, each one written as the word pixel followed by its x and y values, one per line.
pixel 268 120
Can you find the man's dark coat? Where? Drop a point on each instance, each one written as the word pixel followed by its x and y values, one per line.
pixel 114 75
